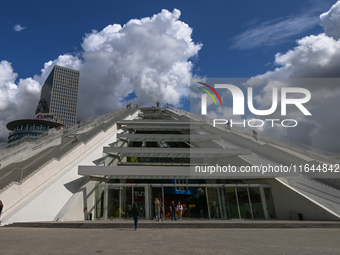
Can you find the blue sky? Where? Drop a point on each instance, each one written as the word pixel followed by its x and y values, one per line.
pixel 228 39
pixel 56 28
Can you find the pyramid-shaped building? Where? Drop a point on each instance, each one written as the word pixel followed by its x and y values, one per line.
pixel 98 169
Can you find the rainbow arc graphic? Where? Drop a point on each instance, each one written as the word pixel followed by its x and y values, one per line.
pixel 204 97
pixel 208 92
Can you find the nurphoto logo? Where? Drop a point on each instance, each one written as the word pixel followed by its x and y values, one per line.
pixel 289 96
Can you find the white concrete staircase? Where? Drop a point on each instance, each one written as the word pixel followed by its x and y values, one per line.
pixel 288 147
pixel 320 193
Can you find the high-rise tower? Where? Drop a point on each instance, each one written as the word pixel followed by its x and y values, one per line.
pixel 59 95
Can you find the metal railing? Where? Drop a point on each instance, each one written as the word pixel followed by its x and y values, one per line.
pixel 98 125
pixel 303 149
pixel 27 143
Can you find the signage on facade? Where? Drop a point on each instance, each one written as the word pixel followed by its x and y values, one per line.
pixel 45 116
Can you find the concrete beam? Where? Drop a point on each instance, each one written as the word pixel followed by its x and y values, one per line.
pixel 175 152
pixel 168 137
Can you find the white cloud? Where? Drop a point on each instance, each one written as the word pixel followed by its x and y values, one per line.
pixel 273 32
pixel 315 57
pixel 150 57
pixel 17 100
pixel 331 21
pixel 18 28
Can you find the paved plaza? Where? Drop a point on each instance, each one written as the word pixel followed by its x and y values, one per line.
pixel 20 240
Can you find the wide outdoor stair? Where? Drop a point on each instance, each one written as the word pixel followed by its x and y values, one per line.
pixel 247 137
pixel 323 194
pixel 307 156
pixel 19 172
pixel 286 150
pixel 197 224
pixel 14 172
pixel 296 154
pixel 299 151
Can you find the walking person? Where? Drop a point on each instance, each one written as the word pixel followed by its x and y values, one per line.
pixel 179 208
pixel 161 213
pixel 173 210
pixel 1 206
pixel 255 135
pixel 157 209
pixel 157 104
pixel 135 213
pixel 228 126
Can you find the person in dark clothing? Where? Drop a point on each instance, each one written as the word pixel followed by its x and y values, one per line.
pixel 173 210
pixel 1 206
pixel 228 126
pixel 161 211
pixel 254 135
pixel 214 211
pixel 135 213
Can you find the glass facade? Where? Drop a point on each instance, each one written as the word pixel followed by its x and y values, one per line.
pixel 113 210
pixel 127 203
pixel 244 203
pixel 214 203
pixel 256 204
pixel 29 131
pixel 270 203
pixel 232 209
pixel 139 198
pixel 196 206
pixel 202 201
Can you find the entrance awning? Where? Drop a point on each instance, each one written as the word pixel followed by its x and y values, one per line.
pixel 144 172
pixel 168 137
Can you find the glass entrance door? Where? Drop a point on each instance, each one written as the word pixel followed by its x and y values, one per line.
pixel 256 203
pixel 139 198
pixel 120 202
pixel 270 203
pixel 126 204
pixel 196 204
pixel 214 203
pixel 231 203
pixel 244 203
pixel 113 203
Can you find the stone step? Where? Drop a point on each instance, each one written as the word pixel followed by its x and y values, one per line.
pixel 180 224
pixel 319 192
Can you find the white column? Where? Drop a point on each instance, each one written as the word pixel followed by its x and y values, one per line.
pixel 106 201
pixel 264 203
